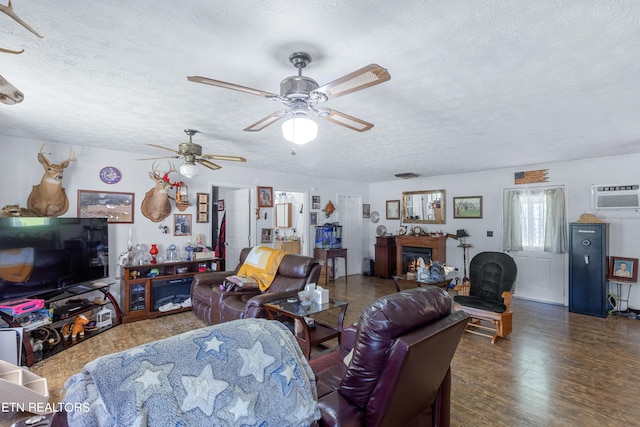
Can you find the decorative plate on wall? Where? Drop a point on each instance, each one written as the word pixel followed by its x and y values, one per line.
pixel 110 175
pixel 381 230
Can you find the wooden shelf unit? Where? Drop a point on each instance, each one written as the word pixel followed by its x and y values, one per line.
pixel 140 287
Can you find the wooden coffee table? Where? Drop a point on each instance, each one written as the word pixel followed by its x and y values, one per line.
pixel 444 284
pixel 308 336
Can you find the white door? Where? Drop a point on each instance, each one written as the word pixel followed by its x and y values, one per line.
pixel 541 276
pixel 350 217
pixel 238 228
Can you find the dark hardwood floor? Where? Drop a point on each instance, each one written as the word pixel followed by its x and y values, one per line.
pixel 556 368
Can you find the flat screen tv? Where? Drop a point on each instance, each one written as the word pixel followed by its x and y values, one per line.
pixel 38 255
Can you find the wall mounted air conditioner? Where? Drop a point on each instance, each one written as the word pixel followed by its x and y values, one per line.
pixel 615 196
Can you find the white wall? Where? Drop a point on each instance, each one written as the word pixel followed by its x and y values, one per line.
pixel 577 176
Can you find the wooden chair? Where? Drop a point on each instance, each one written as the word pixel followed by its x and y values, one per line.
pixel 487 299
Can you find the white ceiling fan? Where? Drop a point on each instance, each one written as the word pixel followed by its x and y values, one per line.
pixel 301 95
pixel 192 154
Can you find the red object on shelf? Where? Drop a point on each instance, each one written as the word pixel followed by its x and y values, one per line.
pixel 154 252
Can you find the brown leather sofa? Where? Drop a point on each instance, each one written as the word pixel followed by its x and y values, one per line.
pixel 213 305
pixel 399 373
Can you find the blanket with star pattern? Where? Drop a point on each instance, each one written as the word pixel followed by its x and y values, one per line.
pixel 248 372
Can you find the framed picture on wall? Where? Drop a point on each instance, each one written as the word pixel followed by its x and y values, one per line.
pixel 467 207
pixel 203 208
pixel 313 218
pixel 116 207
pixel 266 235
pixel 220 205
pixel 623 269
pixel 366 210
pixel 265 197
pixel 315 202
pixel 393 209
pixel 182 224
pixel 203 198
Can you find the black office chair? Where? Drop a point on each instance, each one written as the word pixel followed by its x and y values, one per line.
pixel 488 296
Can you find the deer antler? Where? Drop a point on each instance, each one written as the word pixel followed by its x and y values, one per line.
pixel 163 175
pixel 15 52
pixel 8 9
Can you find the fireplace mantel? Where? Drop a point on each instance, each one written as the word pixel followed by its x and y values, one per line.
pixel 437 245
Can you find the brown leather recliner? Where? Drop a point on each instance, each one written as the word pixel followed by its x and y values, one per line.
pixel 213 305
pixel 399 374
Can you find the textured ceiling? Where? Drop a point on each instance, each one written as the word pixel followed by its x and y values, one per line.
pixel 475 84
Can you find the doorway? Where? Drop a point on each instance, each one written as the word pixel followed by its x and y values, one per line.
pixel 296 225
pixel 350 217
pixel 235 226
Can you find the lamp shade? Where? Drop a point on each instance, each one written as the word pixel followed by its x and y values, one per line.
pixel 461 233
pixel 299 130
pixel 189 170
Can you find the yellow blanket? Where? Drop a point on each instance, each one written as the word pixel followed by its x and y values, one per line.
pixel 16 264
pixel 262 265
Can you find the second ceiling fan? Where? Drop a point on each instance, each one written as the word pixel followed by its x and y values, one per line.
pixel 301 95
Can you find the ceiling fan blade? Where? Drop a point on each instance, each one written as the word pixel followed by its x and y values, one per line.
pixel 223 157
pixel 346 120
pixel 263 123
pixel 365 77
pixel 163 148
pixel 208 164
pixel 219 83
pixel 160 158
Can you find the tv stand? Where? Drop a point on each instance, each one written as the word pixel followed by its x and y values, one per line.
pixel 50 321
pixel 152 290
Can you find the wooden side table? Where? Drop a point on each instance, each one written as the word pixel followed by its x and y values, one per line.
pixel 331 254
pixel 307 336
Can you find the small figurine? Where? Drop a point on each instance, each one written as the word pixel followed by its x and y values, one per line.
pixel 75 329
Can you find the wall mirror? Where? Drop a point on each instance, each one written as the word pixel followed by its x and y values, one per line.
pixel 423 207
pixel 283 215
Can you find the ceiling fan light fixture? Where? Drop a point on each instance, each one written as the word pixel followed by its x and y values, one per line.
pixel 299 130
pixel 189 170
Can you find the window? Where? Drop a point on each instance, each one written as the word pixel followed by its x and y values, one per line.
pixel 535 220
pixel 533 211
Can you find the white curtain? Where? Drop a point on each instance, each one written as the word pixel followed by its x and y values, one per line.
pixel 541 218
pixel 555 236
pixel 512 224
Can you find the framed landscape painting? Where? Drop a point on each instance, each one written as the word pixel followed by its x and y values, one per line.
pixel 116 207
pixel 467 207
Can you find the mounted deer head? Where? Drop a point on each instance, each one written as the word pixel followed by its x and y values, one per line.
pixel 9 94
pixel 49 198
pixel 156 205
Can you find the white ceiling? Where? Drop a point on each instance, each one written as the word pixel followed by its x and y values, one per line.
pixel 475 84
